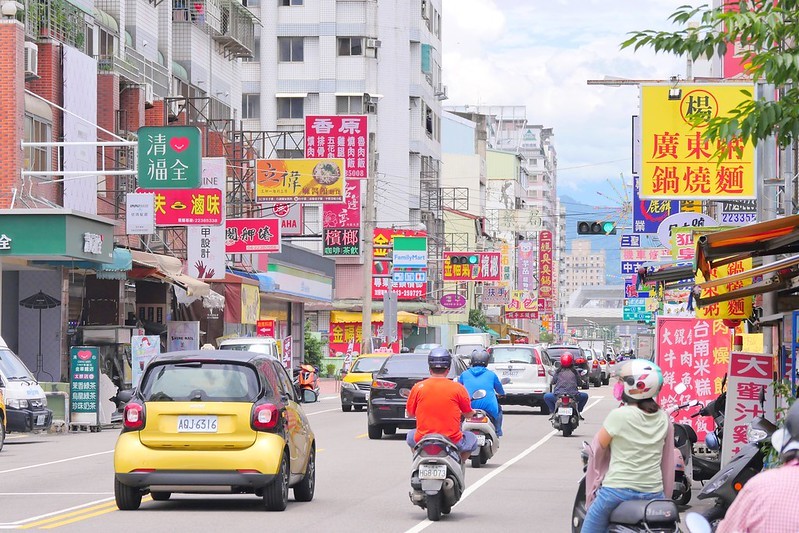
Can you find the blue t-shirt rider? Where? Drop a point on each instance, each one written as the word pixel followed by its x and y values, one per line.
pixel 479 377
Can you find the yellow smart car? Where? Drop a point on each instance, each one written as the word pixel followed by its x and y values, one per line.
pixel 356 383
pixel 218 421
pixel 2 421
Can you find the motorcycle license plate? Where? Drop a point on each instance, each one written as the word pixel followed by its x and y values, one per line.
pixel 432 472
pixel 481 440
pixel 565 411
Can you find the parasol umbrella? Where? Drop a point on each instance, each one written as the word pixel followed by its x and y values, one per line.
pixel 40 301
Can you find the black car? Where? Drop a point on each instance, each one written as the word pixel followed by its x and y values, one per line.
pixel 580 360
pixel 390 389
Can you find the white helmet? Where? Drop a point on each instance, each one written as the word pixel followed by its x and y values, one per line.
pixel 642 379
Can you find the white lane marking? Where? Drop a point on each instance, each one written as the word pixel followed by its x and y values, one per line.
pixel 325 398
pixel 8 525
pixel 485 479
pixel 55 462
pixel 56 493
pixel 311 414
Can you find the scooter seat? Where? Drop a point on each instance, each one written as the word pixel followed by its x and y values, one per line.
pixel 653 512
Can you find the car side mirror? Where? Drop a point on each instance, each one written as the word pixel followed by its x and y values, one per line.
pixel 308 396
pixel 479 394
pixel 124 396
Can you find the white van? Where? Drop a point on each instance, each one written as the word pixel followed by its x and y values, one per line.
pixel 266 345
pixel 465 343
pixel 26 404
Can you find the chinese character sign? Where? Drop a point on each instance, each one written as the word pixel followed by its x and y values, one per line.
pixel 749 374
pixel 206 244
pixel 525 273
pixel 523 304
pixel 252 235
pixel 290 215
pixel 676 161
pixel 183 207
pixel 169 157
pixel 739 308
pixel 382 267
pixel 648 214
pixel 545 265
pixel 84 385
pixel 265 328
pixel 696 353
pixel 346 214
pixel 342 137
pixel 341 242
pixel 343 335
pixel 484 268
pixel 140 213
pixel 288 351
pixel 495 295
pixel 299 180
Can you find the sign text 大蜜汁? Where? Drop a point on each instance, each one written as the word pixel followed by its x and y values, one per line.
pixel 169 157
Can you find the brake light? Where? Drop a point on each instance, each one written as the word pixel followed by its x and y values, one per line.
pixel 541 373
pixel 432 449
pixel 564 400
pixel 264 416
pixel 580 361
pixel 133 416
pixel 596 363
pixel 383 384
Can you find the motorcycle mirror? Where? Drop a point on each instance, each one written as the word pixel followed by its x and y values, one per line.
pixel 504 381
pixel 478 394
pixel 680 388
pixel 761 397
pixel 696 523
pixel 693 403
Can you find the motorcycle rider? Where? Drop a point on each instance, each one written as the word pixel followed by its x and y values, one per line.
pixel 478 377
pixel 565 380
pixel 766 501
pixel 438 403
pixel 641 452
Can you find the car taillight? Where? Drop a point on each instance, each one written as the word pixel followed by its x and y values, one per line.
pixel 541 373
pixel 433 449
pixel 133 416
pixel 383 384
pixel 596 363
pixel 579 361
pixel 264 416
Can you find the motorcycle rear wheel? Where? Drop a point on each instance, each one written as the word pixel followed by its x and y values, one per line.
pixel 567 431
pixel 578 510
pixel 434 507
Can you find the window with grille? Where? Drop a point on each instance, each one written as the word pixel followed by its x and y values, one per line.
pixel 350 46
pixel 291 49
pixel 347 105
pixel 291 2
pixel 251 105
pixel 313 224
pixel 36 130
pixel 290 108
pixel 256 51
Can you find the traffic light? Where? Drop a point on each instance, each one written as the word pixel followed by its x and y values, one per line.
pixel 470 259
pixel 596 228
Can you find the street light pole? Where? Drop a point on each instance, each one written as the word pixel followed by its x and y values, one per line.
pixel 368 257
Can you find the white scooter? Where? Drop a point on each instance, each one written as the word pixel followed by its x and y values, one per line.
pixel 483 428
pixel 437 475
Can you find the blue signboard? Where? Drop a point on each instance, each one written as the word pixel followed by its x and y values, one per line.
pixel 629 268
pixel 631 292
pixel 648 214
pixel 630 241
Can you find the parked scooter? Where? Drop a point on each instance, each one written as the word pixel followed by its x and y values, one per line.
pixel 483 428
pixel 656 516
pixel 437 475
pixel 684 440
pixel 747 463
pixel 306 377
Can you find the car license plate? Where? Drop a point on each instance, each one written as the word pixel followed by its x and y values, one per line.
pixel 197 424
pixel 565 411
pixel 510 373
pixel 481 440
pixel 40 420
pixel 432 472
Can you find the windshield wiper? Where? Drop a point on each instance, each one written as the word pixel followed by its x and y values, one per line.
pixel 519 361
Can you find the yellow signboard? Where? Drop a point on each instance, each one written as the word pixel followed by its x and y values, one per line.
pixel 250 304
pixel 676 163
pixel 299 180
pixel 740 308
pixel 522 301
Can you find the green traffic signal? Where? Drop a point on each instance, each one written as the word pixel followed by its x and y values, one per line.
pixel 608 227
pixel 473 259
pixel 591 227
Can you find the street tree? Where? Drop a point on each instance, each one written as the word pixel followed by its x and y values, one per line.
pixel 768 34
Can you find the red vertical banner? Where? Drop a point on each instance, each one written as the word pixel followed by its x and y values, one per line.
pixel 546 294
pixel 346 214
pixel 696 353
pixel 340 136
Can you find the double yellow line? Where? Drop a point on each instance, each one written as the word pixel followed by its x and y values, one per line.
pixel 62 519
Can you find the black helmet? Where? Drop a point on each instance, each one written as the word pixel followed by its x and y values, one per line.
pixel 480 358
pixel 439 358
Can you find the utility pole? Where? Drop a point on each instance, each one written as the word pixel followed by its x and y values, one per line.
pixel 368 253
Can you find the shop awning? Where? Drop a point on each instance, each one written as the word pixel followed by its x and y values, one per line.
pixel 672 275
pixel 118 269
pixel 776 276
pixel 773 237
pixel 166 268
pixel 403 317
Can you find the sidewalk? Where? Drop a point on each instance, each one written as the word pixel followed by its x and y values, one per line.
pixel 328 386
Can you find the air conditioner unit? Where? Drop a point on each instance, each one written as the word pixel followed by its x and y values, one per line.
pixel 370 107
pixel 373 43
pixel 149 95
pixel 31 60
pixel 369 99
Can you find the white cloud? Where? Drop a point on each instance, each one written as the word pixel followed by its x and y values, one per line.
pixel 541 54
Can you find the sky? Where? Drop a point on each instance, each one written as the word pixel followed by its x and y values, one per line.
pixel 540 53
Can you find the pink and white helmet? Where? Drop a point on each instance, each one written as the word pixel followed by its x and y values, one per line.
pixel 642 379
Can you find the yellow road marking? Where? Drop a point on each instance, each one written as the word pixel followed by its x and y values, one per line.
pixel 76 516
pixel 362 435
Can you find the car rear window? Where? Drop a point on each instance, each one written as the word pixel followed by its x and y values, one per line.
pixel 555 353
pixel 200 381
pixel 367 364
pixel 512 355
pixel 411 365
pixel 267 349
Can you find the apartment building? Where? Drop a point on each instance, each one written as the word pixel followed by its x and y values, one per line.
pixel 584 267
